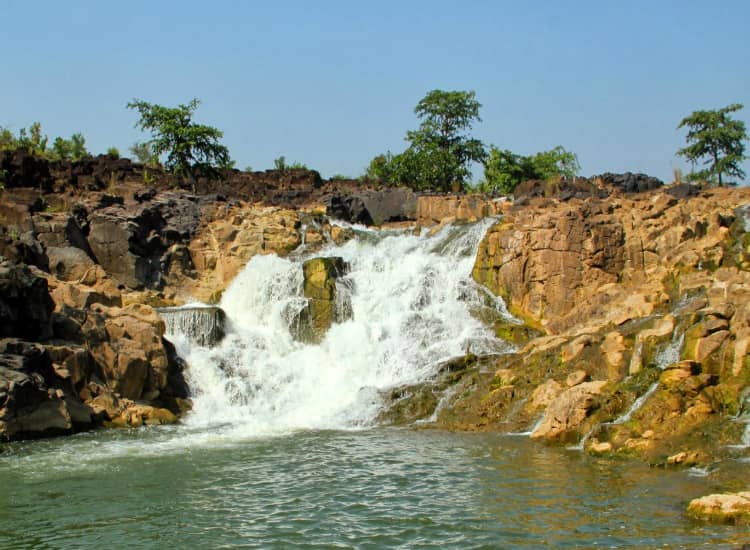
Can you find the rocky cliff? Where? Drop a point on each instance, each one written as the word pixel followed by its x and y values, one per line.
pixel 643 303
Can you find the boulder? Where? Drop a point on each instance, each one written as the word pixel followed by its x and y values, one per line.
pixel 31 402
pixel 629 182
pixel 68 263
pixel 374 207
pixel 22 169
pixel 25 303
pixel 569 410
pixel 722 508
pixel 137 243
pixel 126 343
pixel 325 304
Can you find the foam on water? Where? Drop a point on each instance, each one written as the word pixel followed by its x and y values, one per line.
pixel 411 298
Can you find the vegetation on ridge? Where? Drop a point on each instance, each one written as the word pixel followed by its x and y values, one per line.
pixel 717 140
pixel 191 149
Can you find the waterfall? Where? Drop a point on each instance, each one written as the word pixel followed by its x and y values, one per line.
pixel 671 353
pixel 200 324
pixel 637 404
pixel 411 298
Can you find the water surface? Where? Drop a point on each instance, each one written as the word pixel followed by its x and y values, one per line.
pixel 378 488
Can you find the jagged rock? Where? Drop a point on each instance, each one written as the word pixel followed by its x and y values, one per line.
pixel 233 236
pixel 60 229
pixel 435 209
pixel 22 169
pixel 595 262
pixel 723 508
pixel 323 301
pixel 374 207
pixel 562 189
pixel 68 263
pixel 25 303
pixel 32 404
pixel 631 183
pixel 569 410
pixel 127 345
pixel 576 377
pixel 544 394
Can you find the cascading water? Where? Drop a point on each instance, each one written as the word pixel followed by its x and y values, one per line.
pixel 411 299
pixel 200 324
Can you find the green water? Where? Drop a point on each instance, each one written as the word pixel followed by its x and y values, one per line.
pixel 381 488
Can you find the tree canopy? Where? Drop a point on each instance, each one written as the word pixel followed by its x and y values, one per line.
pixel 191 149
pixel 504 170
pixel 36 143
pixel 717 140
pixel 440 151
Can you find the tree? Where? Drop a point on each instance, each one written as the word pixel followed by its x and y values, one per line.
pixel 716 139
pixel 440 151
pixel 191 149
pixel 504 170
pixel 78 147
pixel 61 149
pixel 442 144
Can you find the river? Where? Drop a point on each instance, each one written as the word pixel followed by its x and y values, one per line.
pixel 282 448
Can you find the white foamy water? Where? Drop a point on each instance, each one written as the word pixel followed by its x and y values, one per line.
pixel 410 298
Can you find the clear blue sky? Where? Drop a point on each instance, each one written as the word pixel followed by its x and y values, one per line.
pixel 333 83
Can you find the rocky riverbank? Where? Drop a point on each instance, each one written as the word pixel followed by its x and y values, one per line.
pixel 632 300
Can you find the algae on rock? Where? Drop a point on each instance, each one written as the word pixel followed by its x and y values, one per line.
pixel 327 302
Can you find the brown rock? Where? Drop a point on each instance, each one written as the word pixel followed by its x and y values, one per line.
pixel 544 394
pixel 723 508
pixel 576 377
pixel 569 409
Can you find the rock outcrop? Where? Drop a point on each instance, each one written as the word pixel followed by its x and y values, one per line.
pixel 325 303
pixel 723 508
pixel 646 296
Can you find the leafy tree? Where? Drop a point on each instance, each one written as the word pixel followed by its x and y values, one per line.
pixel 61 149
pixel 717 140
pixel 504 170
pixel 440 151
pixel 442 146
pixel 7 139
pixel 113 152
pixel 78 147
pixel 191 149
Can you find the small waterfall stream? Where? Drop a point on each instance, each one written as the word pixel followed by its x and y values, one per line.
pixel 411 298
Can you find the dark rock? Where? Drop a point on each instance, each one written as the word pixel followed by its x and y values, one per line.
pixel 24 248
pixel 106 200
pixel 145 195
pixel 135 244
pixel 374 207
pixel 563 189
pixel 22 169
pixel 62 229
pixel 629 182
pixel 33 404
pixel 683 191
pixel 350 208
pixel 25 303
